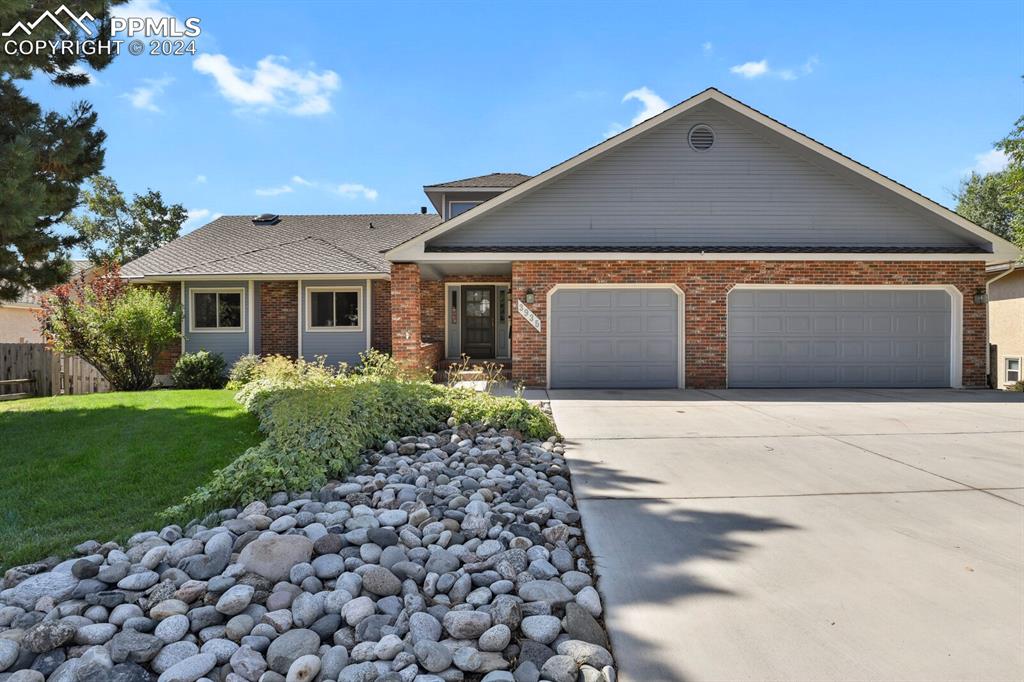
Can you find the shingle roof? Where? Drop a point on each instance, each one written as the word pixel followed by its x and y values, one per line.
pixel 297 245
pixel 656 248
pixel 504 180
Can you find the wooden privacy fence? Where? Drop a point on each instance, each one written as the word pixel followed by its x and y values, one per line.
pixel 33 369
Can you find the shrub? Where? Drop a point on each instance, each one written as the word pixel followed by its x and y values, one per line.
pixel 318 423
pixel 199 370
pixel 243 371
pixel 118 328
pixel 314 434
pixel 1017 387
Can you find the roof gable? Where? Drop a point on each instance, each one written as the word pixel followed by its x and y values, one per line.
pixel 752 138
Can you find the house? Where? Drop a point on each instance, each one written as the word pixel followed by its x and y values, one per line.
pixel 1006 323
pixel 18 322
pixel 706 247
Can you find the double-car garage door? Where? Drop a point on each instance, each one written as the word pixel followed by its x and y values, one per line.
pixel 786 337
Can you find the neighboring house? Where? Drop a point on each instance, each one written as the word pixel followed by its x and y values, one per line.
pixel 706 247
pixel 18 322
pixel 1006 322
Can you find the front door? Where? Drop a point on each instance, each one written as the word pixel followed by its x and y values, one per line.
pixel 478 321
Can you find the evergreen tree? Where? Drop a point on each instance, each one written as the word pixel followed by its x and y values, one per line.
pixel 44 156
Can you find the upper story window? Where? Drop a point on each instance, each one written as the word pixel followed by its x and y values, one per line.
pixel 334 309
pixel 217 310
pixel 459 207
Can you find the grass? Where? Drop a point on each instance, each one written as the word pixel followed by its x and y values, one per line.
pixel 102 466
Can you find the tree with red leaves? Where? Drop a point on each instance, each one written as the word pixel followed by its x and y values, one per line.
pixel 118 328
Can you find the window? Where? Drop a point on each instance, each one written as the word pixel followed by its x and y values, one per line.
pixel 459 207
pixel 216 310
pixel 334 309
pixel 1012 370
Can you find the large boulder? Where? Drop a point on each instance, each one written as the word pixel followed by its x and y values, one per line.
pixel 273 557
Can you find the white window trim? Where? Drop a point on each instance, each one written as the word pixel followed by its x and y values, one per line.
pixel 308 326
pixel 461 201
pixel 1006 369
pixel 215 330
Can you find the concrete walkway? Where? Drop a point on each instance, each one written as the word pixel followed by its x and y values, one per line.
pixel 804 535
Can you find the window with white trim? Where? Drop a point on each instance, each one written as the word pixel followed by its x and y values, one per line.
pixel 335 309
pixel 219 310
pixel 1012 370
pixel 459 207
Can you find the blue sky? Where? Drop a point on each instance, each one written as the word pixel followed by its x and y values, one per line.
pixel 296 106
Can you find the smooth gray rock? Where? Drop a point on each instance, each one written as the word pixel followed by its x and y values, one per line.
pixel 137 647
pixel 8 653
pixel 545 590
pixel 273 557
pixel 172 629
pixel 466 624
pixel 579 624
pixel 289 646
pixel 434 657
pixel 380 581
pixel 495 638
pixel 248 663
pixel 303 669
pixel 189 670
pixel 585 653
pixel 560 669
pixel 235 599
pixel 26 593
pixel 173 654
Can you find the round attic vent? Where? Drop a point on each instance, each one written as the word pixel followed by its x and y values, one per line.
pixel 701 137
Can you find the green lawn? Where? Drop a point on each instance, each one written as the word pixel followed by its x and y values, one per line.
pixel 101 466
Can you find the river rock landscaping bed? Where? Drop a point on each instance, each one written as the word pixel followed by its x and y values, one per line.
pixel 455 555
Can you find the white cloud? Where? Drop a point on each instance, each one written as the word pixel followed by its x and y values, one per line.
pixel 761 68
pixel 201 179
pixel 992 161
pixel 351 190
pixel 707 47
pixel 299 180
pixel 273 191
pixel 197 217
pixel 271 85
pixel 142 96
pixel 653 105
pixel 751 69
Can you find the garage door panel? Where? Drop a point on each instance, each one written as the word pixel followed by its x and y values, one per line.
pixel 811 338
pixel 614 338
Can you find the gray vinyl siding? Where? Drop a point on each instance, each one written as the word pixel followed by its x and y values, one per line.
pixel 454 330
pixel 752 188
pixel 335 346
pixel 231 344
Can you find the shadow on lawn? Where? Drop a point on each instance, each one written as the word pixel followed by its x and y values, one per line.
pixel 645 561
pixel 103 468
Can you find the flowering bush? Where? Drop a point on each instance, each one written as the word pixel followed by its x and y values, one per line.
pixel 118 328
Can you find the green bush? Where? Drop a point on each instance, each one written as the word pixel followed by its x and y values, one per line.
pixel 118 328
pixel 199 370
pixel 243 371
pixel 319 423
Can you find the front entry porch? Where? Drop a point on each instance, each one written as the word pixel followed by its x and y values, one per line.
pixel 444 312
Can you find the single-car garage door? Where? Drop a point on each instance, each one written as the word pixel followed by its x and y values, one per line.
pixel 839 338
pixel 614 338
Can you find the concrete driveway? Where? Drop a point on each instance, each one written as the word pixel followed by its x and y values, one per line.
pixel 804 535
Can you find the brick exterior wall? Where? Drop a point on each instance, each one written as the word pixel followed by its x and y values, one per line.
pixel 432 310
pixel 406 317
pixel 167 359
pixel 380 330
pixel 706 284
pixel 279 318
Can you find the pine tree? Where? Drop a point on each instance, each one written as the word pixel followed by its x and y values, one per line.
pixel 44 156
